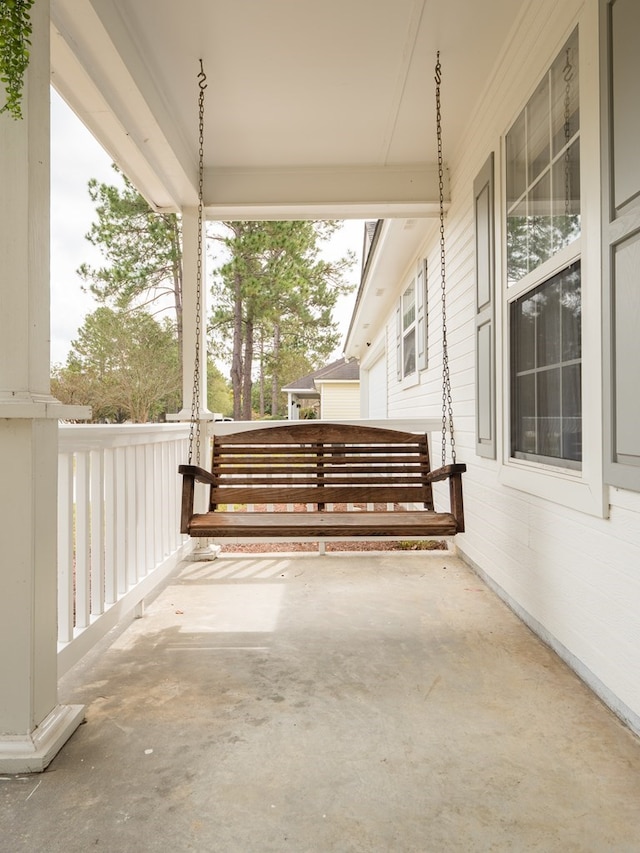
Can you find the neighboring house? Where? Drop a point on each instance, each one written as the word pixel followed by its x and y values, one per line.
pixel 333 392
pixel 543 312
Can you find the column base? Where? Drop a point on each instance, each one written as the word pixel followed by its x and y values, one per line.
pixel 203 551
pixel 33 752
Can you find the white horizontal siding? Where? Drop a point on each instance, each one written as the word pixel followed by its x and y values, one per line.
pixel 574 577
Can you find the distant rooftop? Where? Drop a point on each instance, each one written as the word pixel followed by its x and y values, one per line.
pixel 338 371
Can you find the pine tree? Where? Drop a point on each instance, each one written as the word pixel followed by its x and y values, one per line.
pixel 275 296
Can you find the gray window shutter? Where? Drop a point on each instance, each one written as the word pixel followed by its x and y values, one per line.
pixel 422 317
pixel 621 241
pixel 485 312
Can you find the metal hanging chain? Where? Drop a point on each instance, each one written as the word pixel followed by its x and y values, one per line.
pixel 447 405
pixel 194 429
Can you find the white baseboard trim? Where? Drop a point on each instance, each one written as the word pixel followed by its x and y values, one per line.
pixel 629 717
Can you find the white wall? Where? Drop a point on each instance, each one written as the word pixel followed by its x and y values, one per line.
pixel 373 387
pixel 563 549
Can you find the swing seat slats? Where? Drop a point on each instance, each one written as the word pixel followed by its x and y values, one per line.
pixel 296 481
pixel 293 525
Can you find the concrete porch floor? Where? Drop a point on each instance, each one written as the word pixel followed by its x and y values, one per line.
pixel 340 703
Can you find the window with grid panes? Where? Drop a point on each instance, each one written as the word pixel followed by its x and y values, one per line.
pixel 543 230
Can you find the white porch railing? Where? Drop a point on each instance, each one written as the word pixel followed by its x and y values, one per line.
pixel 118 525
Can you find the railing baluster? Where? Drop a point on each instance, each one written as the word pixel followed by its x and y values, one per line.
pixel 131 571
pixel 165 500
pixel 82 583
pixel 65 547
pixel 140 514
pixel 149 508
pixel 122 533
pixel 173 485
pixel 158 520
pixel 110 575
pixel 97 532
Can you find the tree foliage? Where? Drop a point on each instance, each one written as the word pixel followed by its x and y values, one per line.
pixel 273 299
pixel 15 40
pixel 274 295
pixel 292 365
pixel 219 397
pixel 142 250
pixel 124 364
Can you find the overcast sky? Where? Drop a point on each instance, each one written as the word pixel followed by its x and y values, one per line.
pixel 75 158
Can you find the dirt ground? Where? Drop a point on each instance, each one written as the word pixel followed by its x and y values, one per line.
pixel 279 547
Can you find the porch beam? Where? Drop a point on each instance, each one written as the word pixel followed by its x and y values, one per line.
pixel 345 192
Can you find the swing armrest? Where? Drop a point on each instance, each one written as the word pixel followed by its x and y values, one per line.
pixel 190 473
pixel 446 472
pixel 453 473
pixel 198 474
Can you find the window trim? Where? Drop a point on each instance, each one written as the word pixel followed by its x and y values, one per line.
pixel 417 278
pixel 552 158
pixel 584 490
pixel 422 314
pixel 411 328
pixel 543 273
pixel 560 462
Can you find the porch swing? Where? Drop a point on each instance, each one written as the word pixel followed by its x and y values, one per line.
pixel 321 480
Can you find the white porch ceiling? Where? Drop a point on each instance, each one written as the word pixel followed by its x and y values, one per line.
pixel 312 108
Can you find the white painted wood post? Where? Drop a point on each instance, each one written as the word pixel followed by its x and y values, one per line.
pixel 83 603
pixel 121 529
pixel 97 563
pixel 33 726
pixel 65 547
pixel 131 545
pixel 202 549
pixel 140 508
pixel 110 528
pixel 189 273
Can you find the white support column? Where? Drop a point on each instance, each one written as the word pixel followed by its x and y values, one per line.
pixel 189 274
pixel 292 409
pixel 33 726
pixel 202 549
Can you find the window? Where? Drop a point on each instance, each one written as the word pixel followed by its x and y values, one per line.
pixel 543 169
pixel 543 268
pixel 411 343
pixel 409 330
pixel 546 334
pixel 421 314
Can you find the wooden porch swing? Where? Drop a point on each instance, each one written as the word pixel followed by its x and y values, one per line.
pixel 320 480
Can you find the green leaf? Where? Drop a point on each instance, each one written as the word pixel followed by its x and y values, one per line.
pixel 15 29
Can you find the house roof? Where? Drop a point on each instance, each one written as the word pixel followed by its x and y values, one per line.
pixel 394 241
pixel 338 371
